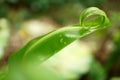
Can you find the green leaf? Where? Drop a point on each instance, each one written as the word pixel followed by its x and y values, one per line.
pixel 3 73
pixel 97 72
pixel 115 78
pixel 100 20
pixel 43 47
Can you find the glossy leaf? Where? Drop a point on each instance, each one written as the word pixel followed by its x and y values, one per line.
pixel 43 47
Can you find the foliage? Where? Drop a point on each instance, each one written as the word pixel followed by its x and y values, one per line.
pixel 25 63
pixel 88 3
pixel 97 71
pixel 41 6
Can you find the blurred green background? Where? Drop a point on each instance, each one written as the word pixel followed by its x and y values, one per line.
pixel 94 57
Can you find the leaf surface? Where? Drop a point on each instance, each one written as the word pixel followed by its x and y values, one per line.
pixel 41 48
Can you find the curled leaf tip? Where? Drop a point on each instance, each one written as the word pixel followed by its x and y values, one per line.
pixel 96 18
